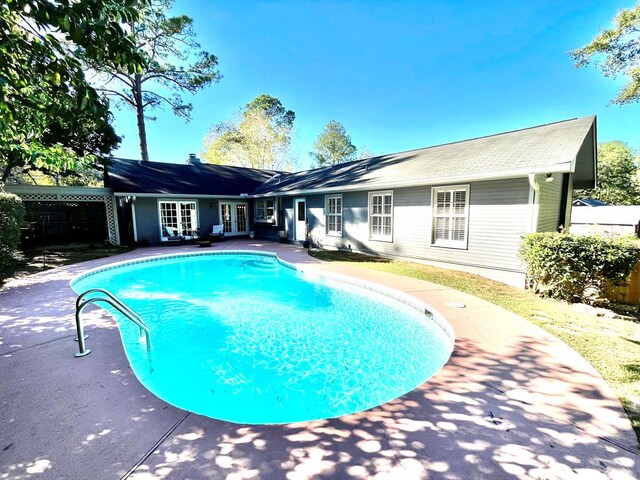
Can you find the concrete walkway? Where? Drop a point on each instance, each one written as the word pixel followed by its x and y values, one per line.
pixel 513 402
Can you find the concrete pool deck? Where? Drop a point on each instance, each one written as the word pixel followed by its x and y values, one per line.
pixel 512 402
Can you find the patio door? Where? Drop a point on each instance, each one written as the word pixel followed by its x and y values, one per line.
pixel 300 219
pixel 181 217
pixel 233 216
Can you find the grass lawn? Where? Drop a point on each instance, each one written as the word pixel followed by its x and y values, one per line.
pixel 612 345
pixel 37 260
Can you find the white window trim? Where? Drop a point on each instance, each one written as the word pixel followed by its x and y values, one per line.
pixel 272 220
pixel 381 238
pixel 459 244
pixel 333 233
pixel 196 220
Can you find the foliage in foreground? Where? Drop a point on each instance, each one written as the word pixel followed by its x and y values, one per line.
pixel 11 215
pixel 51 119
pixel 577 267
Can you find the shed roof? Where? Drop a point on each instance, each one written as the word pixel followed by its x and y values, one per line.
pixel 135 176
pixel 588 202
pixel 566 146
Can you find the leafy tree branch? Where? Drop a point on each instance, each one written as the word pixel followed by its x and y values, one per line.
pixel 615 52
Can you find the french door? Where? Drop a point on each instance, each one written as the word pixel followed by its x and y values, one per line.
pixel 233 216
pixel 179 217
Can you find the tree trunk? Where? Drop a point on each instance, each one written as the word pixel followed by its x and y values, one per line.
pixel 142 133
pixel 11 164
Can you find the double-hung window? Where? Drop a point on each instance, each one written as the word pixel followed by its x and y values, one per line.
pixel 179 217
pixel 333 214
pixel 450 207
pixel 265 210
pixel 381 216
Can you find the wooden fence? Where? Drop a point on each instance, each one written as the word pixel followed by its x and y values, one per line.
pixel 629 293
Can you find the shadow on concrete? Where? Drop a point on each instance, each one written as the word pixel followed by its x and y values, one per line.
pixel 486 414
pixel 461 424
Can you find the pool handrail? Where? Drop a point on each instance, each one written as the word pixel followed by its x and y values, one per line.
pixel 116 303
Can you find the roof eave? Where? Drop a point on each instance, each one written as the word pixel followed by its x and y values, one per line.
pixel 522 173
pixel 175 195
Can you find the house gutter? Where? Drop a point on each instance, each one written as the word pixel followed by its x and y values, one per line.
pixel 178 195
pixel 558 168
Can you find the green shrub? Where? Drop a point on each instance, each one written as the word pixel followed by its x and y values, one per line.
pixel 11 215
pixel 577 267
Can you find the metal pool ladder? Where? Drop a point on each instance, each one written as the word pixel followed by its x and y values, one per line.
pixel 116 303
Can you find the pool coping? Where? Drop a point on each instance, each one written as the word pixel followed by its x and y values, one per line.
pixel 424 308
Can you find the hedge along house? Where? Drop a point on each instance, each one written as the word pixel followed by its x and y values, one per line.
pixel 466 203
pixel 189 199
pixel 463 204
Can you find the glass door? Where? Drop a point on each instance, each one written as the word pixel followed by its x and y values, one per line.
pixel 233 216
pixel 241 218
pixel 178 218
pixel 225 215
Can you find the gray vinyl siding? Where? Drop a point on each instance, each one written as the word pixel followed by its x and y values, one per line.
pixel 287 207
pixel 549 203
pixel 499 213
pixel 147 219
pixel 208 215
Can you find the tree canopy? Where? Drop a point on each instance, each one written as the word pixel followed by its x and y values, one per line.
pixel 333 146
pixel 365 152
pixel 51 119
pixel 175 64
pixel 617 175
pixel 259 136
pixel 615 52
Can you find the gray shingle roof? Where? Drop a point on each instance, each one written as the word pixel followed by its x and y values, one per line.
pixel 547 148
pixel 134 176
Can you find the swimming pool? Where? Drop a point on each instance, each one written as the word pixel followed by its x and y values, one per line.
pixel 245 337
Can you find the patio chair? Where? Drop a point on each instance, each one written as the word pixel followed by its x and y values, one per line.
pixel 172 236
pixel 217 232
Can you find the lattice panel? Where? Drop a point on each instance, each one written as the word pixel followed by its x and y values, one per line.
pixel 61 197
pixel 108 200
pixel 38 197
pixel 112 223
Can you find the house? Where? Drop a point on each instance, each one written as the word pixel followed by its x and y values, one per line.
pixel 188 198
pixel 465 203
pixel 588 202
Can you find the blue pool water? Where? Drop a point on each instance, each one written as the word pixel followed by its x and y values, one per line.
pixel 246 338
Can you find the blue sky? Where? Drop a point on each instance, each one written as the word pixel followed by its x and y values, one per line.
pixel 398 75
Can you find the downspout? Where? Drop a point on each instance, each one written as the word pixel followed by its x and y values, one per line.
pixel 534 201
